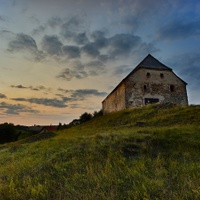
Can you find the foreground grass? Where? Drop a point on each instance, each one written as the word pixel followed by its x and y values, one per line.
pixel 148 153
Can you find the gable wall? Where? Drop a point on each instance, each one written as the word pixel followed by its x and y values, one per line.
pixel 140 86
pixel 115 101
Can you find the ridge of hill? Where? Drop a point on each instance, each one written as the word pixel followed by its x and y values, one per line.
pixel 143 153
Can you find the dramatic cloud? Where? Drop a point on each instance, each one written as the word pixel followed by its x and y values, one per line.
pixel 25 43
pixel 22 42
pixel 44 101
pixel 15 109
pixel 52 45
pixel 71 51
pixel 179 29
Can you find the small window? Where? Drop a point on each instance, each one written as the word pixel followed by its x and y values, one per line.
pixel 148 75
pixel 145 88
pixel 161 75
pixel 150 100
pixel 172 88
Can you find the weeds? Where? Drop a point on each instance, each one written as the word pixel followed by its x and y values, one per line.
pixel 102 159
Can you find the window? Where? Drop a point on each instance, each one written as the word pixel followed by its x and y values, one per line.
pixel 161 75
pixel 171 88
pixel 145 88
pixel 151 100
pixel 148 75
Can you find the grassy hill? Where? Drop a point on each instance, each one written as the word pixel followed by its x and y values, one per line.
pixel 144 153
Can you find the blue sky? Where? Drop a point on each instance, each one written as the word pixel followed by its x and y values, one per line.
pixel 61 58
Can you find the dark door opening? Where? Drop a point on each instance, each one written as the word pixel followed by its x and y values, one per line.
pixel 150 100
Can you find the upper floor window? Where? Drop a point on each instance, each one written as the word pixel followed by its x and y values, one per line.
pixel 161 75
pixel 145 88
pixel 172 88
pixel 148 74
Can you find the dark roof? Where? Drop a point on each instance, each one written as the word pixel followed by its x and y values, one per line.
pixel 149 62
pixel 152 63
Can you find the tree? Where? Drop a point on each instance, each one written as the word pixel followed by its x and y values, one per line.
pixel 85 117
pixel 8 133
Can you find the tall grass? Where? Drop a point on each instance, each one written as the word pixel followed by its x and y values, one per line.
pixel 144 153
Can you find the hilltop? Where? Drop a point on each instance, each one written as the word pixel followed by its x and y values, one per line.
pixel 143 153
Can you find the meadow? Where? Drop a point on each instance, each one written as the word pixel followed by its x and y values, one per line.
pixel 142 153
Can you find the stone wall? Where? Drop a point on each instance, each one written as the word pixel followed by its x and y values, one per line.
pixel 115 101
pixel 146 86
pixel 162 85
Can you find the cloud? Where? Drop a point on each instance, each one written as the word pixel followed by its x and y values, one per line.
pixel 72 96
pixel 7 34
pixel 22 42
pixel 44 101
pixel 72 27
pixel 179 29
pixel 95 67
pixel 52 45
pixel 81 71
pixel 38 30
pixel 81 94
pixel 100 41
pixel 122 70
pixel 68 74
pixel 2 96
pixel 16 109
pixel 123 44
pixel 187 65
pixel 91 50
pixel 71 51
pixel 55 22
pixel 25 43
pixel 36 88
pixel 81 38
pixel 19 86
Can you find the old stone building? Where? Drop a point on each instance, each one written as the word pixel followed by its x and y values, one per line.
pixel 150 82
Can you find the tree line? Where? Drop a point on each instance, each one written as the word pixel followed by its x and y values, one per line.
pixel 82 119
pixel 10 133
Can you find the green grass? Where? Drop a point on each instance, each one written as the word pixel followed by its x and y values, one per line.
pixel 144 153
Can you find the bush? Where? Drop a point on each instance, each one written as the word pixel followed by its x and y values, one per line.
pixel 8 133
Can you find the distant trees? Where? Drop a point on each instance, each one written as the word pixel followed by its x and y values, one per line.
pixel 8 133
pixel 85 117
pixel 82 119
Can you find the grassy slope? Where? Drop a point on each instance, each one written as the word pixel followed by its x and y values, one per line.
pixel 144 153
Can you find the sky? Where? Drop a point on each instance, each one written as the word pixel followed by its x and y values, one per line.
pixel 59 59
